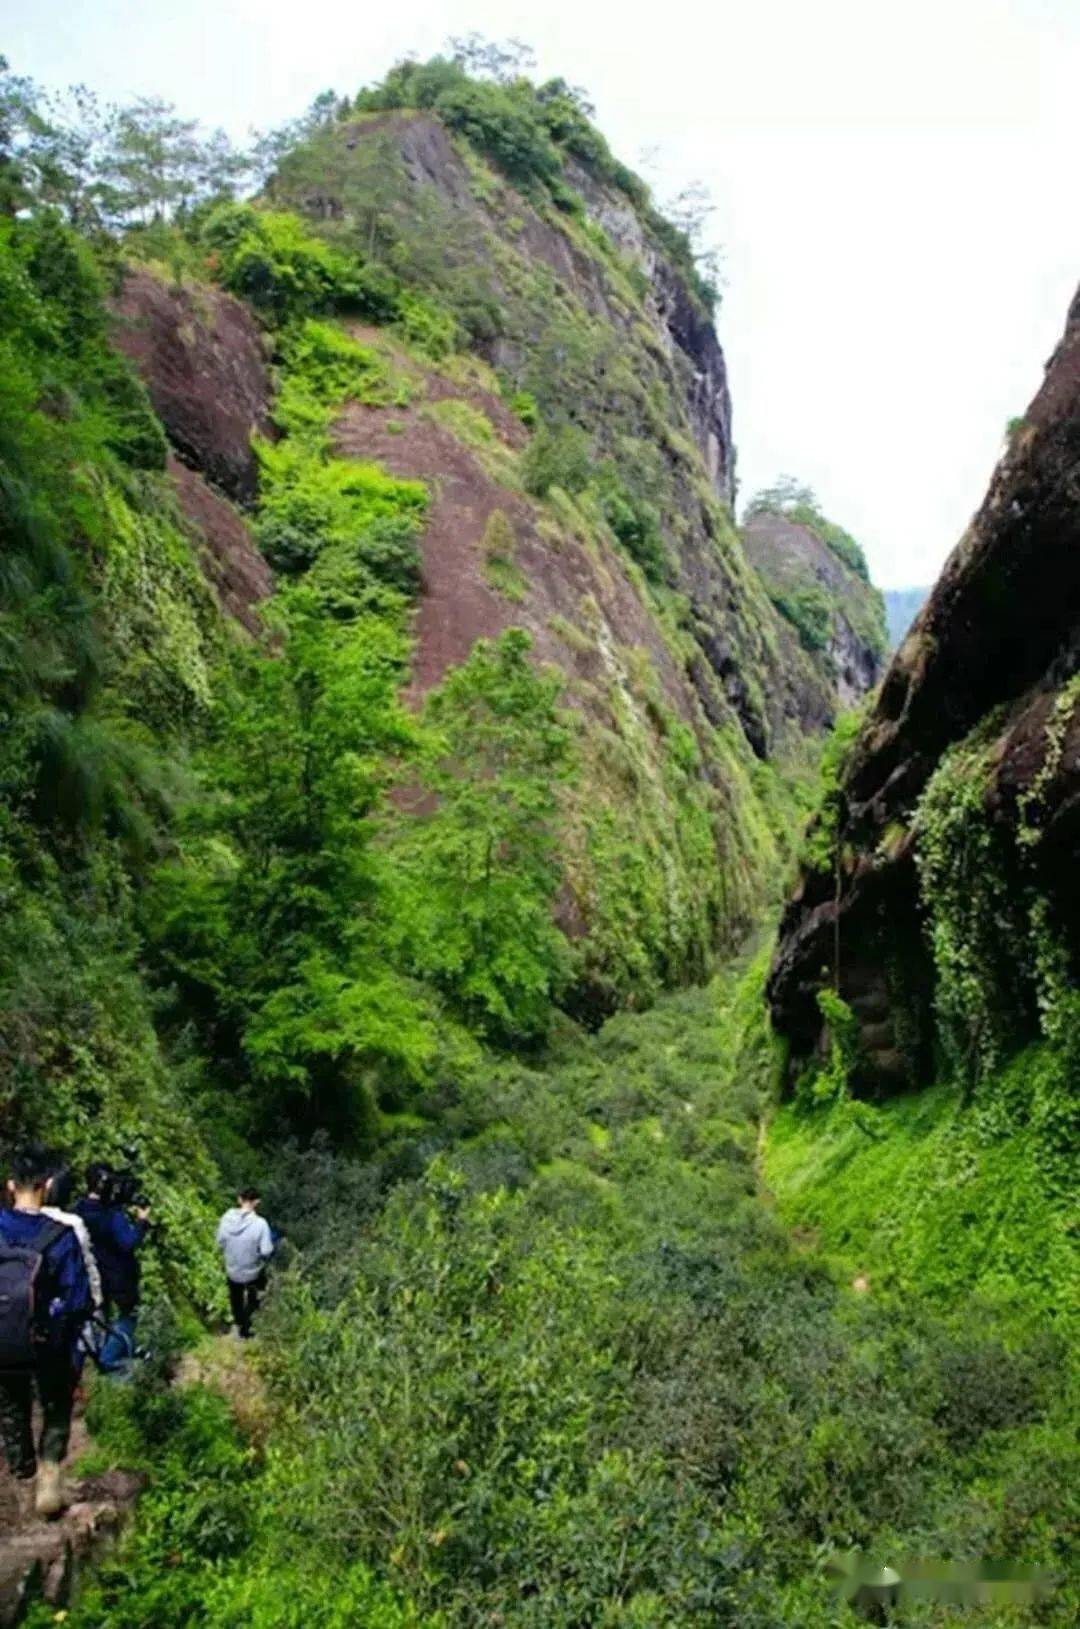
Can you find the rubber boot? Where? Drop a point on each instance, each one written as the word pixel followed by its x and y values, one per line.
pixel 51 1498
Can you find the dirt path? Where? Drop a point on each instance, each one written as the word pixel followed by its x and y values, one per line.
pixel 40 1558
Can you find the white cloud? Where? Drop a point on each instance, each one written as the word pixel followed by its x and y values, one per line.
pixel 895 190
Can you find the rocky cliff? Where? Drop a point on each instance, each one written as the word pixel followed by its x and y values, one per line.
pixel 830 607
pixel 948 909
pixel 553 378
pixel 203 360
pixel 576 302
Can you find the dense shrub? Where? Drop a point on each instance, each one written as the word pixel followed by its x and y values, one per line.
pixel 106 645
pixel 272 260
pixel 810 612
pixel 635 522
pixel 502 121
pixel 477 876
pixel 567 1369
pixel 559 457
pixel 203 1548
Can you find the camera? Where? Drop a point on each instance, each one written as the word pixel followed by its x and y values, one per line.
pixel 124 1187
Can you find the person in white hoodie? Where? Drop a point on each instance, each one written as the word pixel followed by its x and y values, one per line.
pixel 247 1245
pixel 59 1196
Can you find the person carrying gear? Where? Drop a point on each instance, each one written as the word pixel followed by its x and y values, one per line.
pixel 116 1240
pixel 45 1299
pixel 247 1245
pixel 59 1198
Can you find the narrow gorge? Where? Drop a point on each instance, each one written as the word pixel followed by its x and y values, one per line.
pixel 644 1005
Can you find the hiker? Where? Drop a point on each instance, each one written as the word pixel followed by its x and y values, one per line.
pixel 60 1185
pixel 247 1244
pixel 44 1300
pixel 117 1241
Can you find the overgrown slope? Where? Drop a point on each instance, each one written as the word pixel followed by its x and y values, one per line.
pixel 816 575
pixel 417 706
pixel 551 375
pixel 925 975
pixel 555 1361
pixel 412 685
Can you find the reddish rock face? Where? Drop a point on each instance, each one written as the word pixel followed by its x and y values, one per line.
pixel 559 578
pixel 1001 631
pixel 536 271
pixel 235 569
pixel 200 356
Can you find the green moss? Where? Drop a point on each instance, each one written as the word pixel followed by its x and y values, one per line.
pixel 472 427
pixel 941 1202
pixel 501 570
pixel 810 612
pixel 1065 702
pixel 966 883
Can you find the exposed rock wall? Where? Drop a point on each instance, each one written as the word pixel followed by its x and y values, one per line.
pixel 200 355
pixel 628 574
pixel 791 560
pixel 992 650
pixel 591 316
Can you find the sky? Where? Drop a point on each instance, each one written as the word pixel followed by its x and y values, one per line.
pixel 894 187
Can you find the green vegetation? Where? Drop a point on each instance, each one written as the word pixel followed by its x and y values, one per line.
pixel 203 1543
pixel 108 637
pixel 1002 966
pixel 542 1351
pixel 820 848
pixel 501 570
pixel 799 504
pixel 966 1208
pixel 550 1357
pixel 809 605
pixel 271 260
pixel 528 131
pixel 810 612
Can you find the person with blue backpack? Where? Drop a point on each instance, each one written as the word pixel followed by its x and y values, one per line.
pixel 117 1239
pixel 45 1299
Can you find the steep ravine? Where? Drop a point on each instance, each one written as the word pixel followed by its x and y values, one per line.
pixel 407 760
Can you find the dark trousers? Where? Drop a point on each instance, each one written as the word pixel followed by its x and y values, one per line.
pixel 244 1301
pixel 54 1380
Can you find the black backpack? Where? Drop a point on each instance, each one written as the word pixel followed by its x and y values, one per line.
pixel 23 1299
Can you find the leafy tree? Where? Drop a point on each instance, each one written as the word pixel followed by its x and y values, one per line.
pixel 785 494
pixel 269 916
pixel 690 212
pixel 480 870
pixel 558 457
pixel 149 167
pixel 797 502
pixel 271 147
pixel 67 759
pixel 104 166
pixel 272 260
pixel 50 147
pixel 504 61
